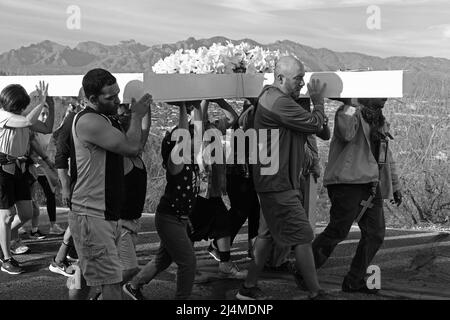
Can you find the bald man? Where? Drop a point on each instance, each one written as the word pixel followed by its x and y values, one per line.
pixel 279 193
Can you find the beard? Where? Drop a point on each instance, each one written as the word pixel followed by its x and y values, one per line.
pixel 107 109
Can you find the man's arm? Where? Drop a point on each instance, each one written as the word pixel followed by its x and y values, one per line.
pixel 294 117
pixel 95 129
pixel 63 142
pixel 63 175
pixel 346 123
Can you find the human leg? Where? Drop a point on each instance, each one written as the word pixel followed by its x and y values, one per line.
pixel 6 218
pixel 372 226
pixel 50 199
pixel 345 206
pixel 96 241
pixel 127 249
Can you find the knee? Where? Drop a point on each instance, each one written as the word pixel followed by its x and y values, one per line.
pixel 189 263
pixel 26 210
pixel 337 233
pixel 7 215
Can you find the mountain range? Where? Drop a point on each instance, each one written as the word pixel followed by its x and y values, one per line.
pixel 424 76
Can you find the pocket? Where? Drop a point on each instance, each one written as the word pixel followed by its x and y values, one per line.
pixel 93 252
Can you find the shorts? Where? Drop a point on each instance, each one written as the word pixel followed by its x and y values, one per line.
pixel 209 219
pixel 285 218
pixel 127 244
pixel 96 241
pixel 13 188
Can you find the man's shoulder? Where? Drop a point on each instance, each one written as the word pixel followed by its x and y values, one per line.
pixel 90 121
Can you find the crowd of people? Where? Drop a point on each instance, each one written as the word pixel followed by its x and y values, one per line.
pixel 96 160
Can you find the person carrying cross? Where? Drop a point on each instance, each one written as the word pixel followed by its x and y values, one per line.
pixel 359 175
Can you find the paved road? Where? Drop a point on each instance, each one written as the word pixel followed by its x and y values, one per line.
pixel 411 267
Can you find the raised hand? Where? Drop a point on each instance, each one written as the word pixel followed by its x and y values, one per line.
pixel 142 106
pixel 42 91
pixel 316 91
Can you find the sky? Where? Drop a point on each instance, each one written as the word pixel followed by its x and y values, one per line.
pixel 376 27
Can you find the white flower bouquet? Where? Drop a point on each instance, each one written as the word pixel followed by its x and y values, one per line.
pixel 219 59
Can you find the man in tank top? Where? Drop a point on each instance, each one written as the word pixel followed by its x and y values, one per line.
pixel 99 146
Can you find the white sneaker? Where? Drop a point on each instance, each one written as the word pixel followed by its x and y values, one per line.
pixel 56 229
pixel 22 230
pixel 17 247
pixel 231 271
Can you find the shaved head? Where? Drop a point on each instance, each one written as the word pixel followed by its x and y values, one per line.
pixel 288 76
pixel 287 64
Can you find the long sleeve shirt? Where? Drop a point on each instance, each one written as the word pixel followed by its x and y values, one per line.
pixel 278 111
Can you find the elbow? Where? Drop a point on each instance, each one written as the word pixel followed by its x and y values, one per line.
pixel 133 151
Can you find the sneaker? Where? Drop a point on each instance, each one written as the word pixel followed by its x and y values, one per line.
pixel 22 231
pixel 301 284
pixel 56 229
pixel 253 293
pixel 321 295
pixel 97 296
pixel 61 268
pixel 214 252
pixel 361 288
pixel 134 294
pixel 11 266
pixel 17 247
pixel 201 277
pixel 231 271
pixel 38 235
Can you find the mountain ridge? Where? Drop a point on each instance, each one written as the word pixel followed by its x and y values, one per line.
pixel 426 76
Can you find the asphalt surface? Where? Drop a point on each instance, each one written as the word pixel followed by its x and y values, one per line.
pixel 412 264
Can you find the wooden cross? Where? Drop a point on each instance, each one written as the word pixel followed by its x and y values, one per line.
pixel 366 205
